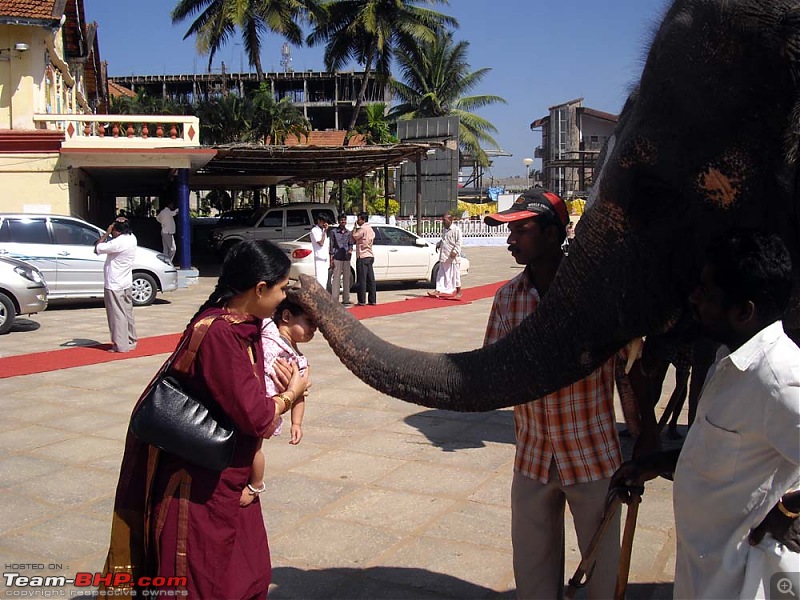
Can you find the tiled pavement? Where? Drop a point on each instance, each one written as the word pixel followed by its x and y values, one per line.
pixel 382 499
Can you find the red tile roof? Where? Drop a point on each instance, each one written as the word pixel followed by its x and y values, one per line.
pixel 116 90
pixel 327 138
pixel 31 9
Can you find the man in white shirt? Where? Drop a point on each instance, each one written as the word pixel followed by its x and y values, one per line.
pixel 166 217
pixel 737 477
pixel 119 246
pixel 448 277
pixel 320 244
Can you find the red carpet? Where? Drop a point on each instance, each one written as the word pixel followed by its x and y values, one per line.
pixel 53 360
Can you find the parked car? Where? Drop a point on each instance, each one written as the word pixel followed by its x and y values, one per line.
pixel 276 224
pixel 399 256
pixel 62 248
pixel 22 291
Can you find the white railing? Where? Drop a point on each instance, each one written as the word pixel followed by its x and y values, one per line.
pixel 139 131
pixel 474 232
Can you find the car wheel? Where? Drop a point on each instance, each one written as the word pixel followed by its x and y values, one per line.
pixel 7 314
pixel 434 275
pixel 353 282
pixel 144 289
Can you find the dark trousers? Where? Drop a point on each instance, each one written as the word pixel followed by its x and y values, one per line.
pixel 366 280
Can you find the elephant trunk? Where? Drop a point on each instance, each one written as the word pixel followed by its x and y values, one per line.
pixel 568 336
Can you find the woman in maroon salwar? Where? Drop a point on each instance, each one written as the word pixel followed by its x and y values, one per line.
pixel 176 519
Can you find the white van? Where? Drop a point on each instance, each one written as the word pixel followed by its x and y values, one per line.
pixel 277 224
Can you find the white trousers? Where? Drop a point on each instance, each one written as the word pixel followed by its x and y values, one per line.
pixel 119 312
pixel 168 244
pixel 321 271
pixel 537 534
pixel 448 279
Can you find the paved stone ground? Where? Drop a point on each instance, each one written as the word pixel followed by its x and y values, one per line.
pixel 382 499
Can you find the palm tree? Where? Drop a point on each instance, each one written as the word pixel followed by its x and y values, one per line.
pixel 216 22
pixel 371 32
pixel 436 75
pixel 377 128
pixel 276 120
pixel 225 119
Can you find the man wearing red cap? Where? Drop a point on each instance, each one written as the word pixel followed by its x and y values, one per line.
pixel 567 444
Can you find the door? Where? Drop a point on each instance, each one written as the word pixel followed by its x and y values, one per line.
pixel 80 270
pixel 270 227
pixel 298 223
pixel 405 260
pixel 28 239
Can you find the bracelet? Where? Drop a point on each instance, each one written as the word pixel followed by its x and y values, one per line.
pixel 257 491
pixel 786 511
pixel 286 402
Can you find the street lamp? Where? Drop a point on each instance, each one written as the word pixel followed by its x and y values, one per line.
pixel 527 162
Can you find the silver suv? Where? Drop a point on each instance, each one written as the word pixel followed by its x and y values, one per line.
pixel 63 250
pixel 276 224
pixel 22 291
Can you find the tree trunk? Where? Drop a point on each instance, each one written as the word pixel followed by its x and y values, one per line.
pixel 362 93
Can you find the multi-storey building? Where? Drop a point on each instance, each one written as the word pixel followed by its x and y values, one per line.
pixel 572 137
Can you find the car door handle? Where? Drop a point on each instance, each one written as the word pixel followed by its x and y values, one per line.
pixel 3 251
pixel 393 250
pixel 63 253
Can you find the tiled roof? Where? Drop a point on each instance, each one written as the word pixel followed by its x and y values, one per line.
pixel 116 90
pixel 29 9
pixel 325 138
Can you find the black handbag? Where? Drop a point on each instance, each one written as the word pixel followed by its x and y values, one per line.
pixel 170 419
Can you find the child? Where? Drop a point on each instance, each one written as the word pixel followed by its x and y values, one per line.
pixel 279 338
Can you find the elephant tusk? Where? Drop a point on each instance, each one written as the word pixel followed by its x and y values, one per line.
pixel 634 352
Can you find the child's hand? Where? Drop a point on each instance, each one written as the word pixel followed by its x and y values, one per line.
pixel 297 434
pixel 246 499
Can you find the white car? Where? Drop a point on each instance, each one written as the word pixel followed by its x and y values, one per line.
pixel 62 248
pixel 399 256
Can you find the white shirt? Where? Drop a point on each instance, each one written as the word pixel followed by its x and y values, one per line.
pixel 120 253
pixel 167 219
pixel 741 455
pixel 451 242
pixel 320 244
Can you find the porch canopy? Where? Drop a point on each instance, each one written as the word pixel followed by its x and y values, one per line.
pixel 248 166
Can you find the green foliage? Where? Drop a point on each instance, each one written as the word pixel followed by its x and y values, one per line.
pixel 436 78
pixel 370 32
pixel 275 121
pixel 217 21
pixel 377 128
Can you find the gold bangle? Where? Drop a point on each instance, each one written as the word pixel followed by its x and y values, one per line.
pixel 786 511
pixel 287 404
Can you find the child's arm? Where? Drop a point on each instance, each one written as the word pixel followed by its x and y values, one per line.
pixel 298 410
pixel 256 479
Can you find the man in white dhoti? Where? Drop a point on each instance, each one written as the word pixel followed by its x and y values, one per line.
pixel 448 278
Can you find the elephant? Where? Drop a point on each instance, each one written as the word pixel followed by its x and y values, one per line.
pixel 707 141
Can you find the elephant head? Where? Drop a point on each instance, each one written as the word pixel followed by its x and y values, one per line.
pixel 707 141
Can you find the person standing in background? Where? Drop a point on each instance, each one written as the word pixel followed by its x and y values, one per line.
pixel 364 236
pixel 119 245
pixel 320 244
pixel 166 217
pixel 341 253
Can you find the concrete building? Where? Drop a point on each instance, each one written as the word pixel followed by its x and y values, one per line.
pixel 572 137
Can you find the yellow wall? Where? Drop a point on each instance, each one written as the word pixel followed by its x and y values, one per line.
pixel 22 76
pixel 34 183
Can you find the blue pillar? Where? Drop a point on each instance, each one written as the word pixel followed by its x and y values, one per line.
pixel 184 224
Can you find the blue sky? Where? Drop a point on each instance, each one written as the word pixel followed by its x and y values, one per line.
pixel 541 53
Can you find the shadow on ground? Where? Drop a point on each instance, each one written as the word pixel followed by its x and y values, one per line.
pixel 21 325
pixel 373 583
pixel 453 431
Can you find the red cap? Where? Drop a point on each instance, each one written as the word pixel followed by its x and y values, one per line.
pixel 532 203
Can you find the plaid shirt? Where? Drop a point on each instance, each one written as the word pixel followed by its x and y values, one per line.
pixel 574 426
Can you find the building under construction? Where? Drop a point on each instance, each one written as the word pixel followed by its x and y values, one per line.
pixel 326 99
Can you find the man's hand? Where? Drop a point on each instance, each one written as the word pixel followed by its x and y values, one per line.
pixel 631 475
pixel 783 529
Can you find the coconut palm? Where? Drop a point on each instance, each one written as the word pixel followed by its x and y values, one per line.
pixel 370 32
pixel 377 128
pixel 276 120
pixel 216 21
pixel 436 76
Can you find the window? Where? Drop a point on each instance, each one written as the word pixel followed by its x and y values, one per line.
pixel 74 234
pixel 27 231
pixel 315 212
pixel 391 236
pixel 273 218
pixel 297 218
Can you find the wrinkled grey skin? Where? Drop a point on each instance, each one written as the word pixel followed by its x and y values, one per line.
pixel 708 141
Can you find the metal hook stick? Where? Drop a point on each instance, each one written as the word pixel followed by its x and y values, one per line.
pixel 586 566
pixel 627 546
